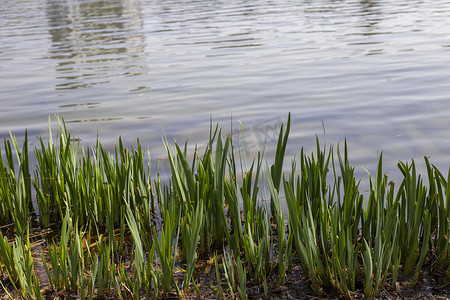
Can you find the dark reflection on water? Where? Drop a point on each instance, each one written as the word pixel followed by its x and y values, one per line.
pixel 94 120
pixel 93 41
pixel 89 104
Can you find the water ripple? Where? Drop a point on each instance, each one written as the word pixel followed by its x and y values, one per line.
pixel 375 71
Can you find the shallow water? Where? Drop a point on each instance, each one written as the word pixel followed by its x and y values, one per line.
pixel 374 72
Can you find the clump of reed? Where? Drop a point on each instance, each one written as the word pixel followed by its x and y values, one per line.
pixel 118 230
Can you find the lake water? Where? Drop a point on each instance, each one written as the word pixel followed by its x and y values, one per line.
pixel 376 72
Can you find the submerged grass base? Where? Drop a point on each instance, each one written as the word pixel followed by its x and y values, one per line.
pixel 105 227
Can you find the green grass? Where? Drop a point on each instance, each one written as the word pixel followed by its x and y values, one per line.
pixel 118 230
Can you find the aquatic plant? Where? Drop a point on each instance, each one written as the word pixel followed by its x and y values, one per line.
pixel 112 229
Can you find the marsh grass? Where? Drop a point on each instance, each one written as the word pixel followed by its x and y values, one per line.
pixel 118 231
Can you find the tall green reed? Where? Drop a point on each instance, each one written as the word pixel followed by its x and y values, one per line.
pixel 414 220
pixel 381 252
pixel 19 264
pixel 15 184
pixel 442 233
pixel 167 244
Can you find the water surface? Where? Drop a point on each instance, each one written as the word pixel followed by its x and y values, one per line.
pixel 376 72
